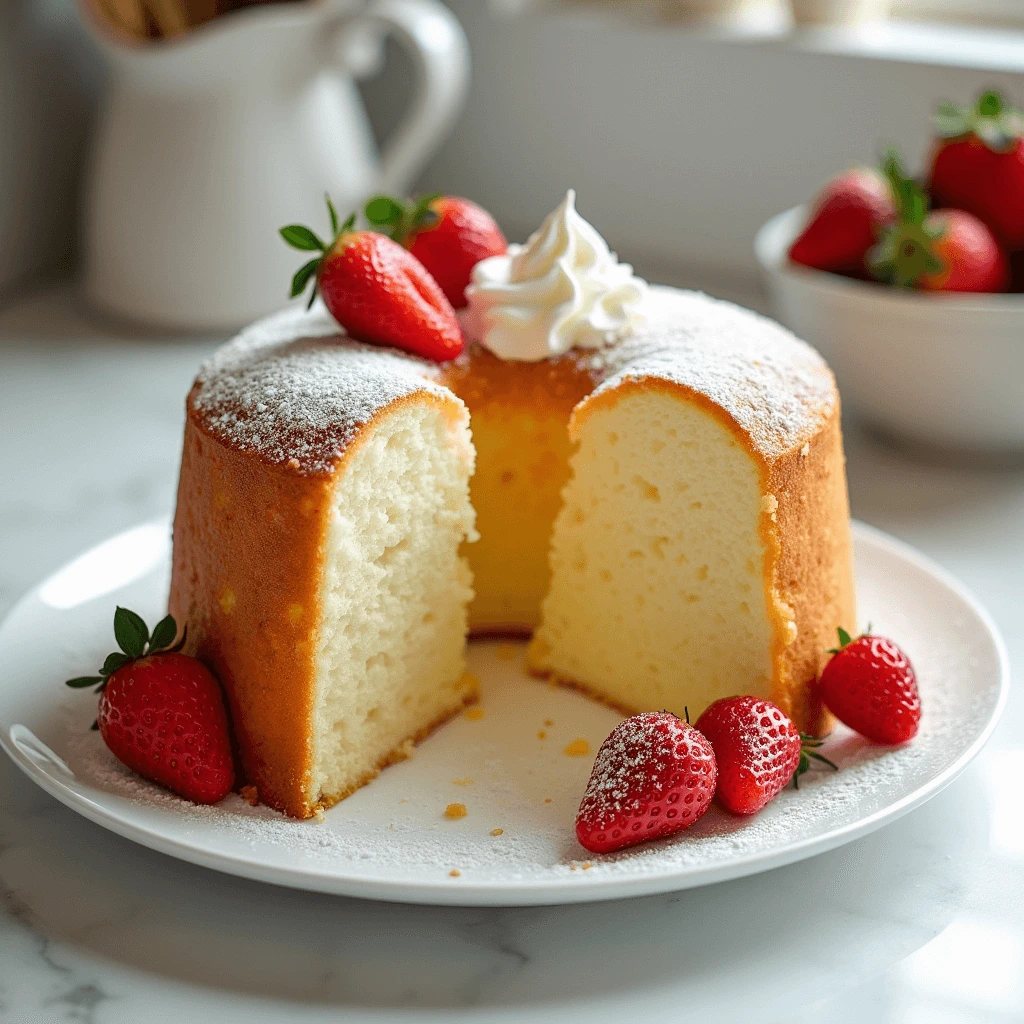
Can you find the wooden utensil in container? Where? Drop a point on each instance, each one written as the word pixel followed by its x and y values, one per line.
pixel 162 19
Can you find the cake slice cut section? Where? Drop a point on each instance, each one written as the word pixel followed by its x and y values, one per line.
pixel 390 645
pixel 688 566
pixel 659 558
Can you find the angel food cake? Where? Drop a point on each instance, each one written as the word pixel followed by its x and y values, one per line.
pixel 649 482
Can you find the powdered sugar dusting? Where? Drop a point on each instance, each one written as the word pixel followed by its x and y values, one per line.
pixel 776 387
pixel 293 387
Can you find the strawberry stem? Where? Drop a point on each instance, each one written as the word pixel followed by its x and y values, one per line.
pixel 905 252
pixel 398 219
pixel 305 240
pixel 808 751
pixel 135 641
pixel 995 122
pixel 844 640
pixel 335 230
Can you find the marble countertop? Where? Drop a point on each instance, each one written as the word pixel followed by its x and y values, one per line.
pixel 919 923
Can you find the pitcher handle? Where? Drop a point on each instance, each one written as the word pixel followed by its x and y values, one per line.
pixel 433 38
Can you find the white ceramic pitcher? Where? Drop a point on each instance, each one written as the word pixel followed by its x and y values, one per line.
pixel 208 143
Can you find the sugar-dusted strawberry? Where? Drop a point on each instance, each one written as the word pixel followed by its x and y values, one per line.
pixel 162 713
pixel 977 164
pixel 376 290
pixel 847 219
pixel 870 685
pixel 448 235
pixel 757 750
pixel 653 776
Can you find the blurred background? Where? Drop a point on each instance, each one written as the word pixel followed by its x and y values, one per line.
pixel 682 127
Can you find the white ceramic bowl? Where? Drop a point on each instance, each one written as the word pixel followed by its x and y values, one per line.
pixel 943 369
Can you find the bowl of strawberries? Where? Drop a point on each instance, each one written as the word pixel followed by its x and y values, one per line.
pixel 913 287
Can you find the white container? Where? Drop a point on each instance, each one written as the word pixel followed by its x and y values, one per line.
pixel 209 142
pixel 942 369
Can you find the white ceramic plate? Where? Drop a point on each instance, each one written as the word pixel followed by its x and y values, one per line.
pixel 509 768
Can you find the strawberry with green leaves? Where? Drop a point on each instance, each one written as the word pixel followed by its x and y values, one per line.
pixel 870 685
pixel 162 713
pixel 376 290
pixel 448 235
pixel 977 164
pixel 942 250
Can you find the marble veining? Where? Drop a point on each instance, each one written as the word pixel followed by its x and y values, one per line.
pixel 921 921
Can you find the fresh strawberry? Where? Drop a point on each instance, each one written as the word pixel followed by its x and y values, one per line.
pixel 869 684
pixel 977 165
pixel 653 776
pixel 971 257
pixel 757 750
pixel 162 713
pixel 847 218
pixel 448 235
pixel 376 290
pixel 946 250
pixel 942 251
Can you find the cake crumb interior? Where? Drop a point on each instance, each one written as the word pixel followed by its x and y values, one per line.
pixel 391 642
pixel 657 595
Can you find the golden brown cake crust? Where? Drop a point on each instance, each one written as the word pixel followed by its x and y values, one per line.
pixel 245 577
pixel 813 574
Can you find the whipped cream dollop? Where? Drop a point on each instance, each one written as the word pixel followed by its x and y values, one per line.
pixel 564 289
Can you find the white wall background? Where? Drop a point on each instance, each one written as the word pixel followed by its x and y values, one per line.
pixel 679 147
pixel 48 82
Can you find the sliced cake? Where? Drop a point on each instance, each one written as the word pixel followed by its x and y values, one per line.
pixel 659 494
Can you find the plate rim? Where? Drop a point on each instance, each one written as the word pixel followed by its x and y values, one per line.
pixel 540 892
